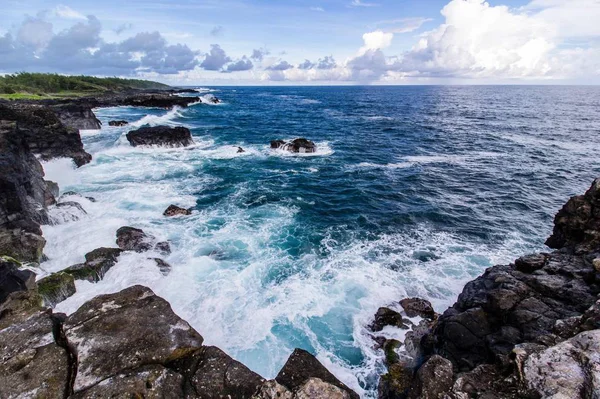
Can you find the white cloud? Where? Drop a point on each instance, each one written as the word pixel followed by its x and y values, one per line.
pixel 63 11
pixel 403 25
pixel 319 9
pixel 376 40
pixel 360 3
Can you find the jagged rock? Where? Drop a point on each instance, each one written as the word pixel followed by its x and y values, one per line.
pixel 174 210
pixel 44 133
pixel 314 388
pixel 433 379
pixel 77 116
pixel 97 263
pixel 570 369
pixel 163 247
pixel 24 195
pixel 56 288
pixel 272 390
pixel 148 382
pixel 417 307
pixel 13 279
pixel 387 317
pixel 31 363
pixel 302 366
pixel 117 123
pixel 300 145
pixel 397 382
pixel 53 190
pixel 111 334
pixel 160 136
pixel 163 266
pixel 151 100
pixel 577 224
pixel 132 239
pixel 213 374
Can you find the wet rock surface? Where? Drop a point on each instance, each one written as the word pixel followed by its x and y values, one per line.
pixel 118 123
pixel 163 136
pixel 56 288
pixel 300 145
pixel 174 210
pixel 77 116
pixel 96 264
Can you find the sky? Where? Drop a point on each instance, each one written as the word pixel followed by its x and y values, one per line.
pixel 261 42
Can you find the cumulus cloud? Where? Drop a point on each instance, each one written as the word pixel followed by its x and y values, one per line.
pixel 280 66
pixel 360 3
pixel 259 54
pixel 216 59
pixel 63 11
pixel 326 63
pixel 403 25
pixel 34 32
pixel 376 40
pixel 243 64
pixel 306 65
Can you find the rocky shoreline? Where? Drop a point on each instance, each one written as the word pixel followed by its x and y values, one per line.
pixel 525 330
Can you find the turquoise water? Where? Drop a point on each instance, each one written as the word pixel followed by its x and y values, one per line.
pixel 413 191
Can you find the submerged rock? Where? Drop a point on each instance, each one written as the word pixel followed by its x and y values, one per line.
pixel 302 366
pixel 97 263
pixel 56 288
pixel 128 330
pixel 174 210
pixel 300 145
pixel 387 317
pixel 117 123
pixel 160 136
pixel 163 266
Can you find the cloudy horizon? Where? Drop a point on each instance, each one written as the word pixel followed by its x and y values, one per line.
pixel 308 42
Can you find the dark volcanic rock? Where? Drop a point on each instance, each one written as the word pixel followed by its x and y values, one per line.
pixel 417 307
pixel 44 132
pixel 577 224
pixel 24 195
pixel 56 288
pixel 300 145
pixel 174 210
pixel 302 366
pixel 160 136
pixel 240 150
pixel 387 317
pixel 213 374
pixel 124 331
pixel 77 116
pixel 132 239
pixel 13 279
pixel 31 363
pixel 97 263
pixel 117 123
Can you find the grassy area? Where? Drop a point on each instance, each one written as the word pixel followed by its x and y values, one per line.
pixel 34 86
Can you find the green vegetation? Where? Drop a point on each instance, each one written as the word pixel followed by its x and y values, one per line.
pixel 24 85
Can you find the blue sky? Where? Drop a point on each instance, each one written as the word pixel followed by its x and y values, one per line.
pixel 365 41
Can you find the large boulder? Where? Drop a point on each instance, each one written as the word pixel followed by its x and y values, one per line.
pixel 164 136
pixel 300 145
pixel 31 363
pixel 213 374
pixel 77 115
pixel 414 307
pixel 134 239
pixel 97 263
pixel 387 317
pixel 174 210
pixel 302 366
pixel 56 288
pixel 115 333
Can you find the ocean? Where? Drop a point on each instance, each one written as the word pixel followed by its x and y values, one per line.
pixel 413 191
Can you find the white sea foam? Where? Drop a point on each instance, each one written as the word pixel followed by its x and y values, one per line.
pixel 323 150
pixel 155 120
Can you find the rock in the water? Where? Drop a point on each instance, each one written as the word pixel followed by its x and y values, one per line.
pixel 163 247
pixel 240 150
pixel 56 288
pixel 301 366
pixel 213 374
pixel 174 210
pixel 117 123
pixel 163 266
pixel 570 369
pixel 148 382
pixel 387 317
pixel 31 363
pixel 577 224
pixel 97 263
pixel 160 136
pixel 77 116
pixel 124 331
pixel 132 239
pixel 13 279
pixel 417 307
pixel 300 145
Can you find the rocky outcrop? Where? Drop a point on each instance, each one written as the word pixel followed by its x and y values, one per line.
pixel 118 123
pixel 163 136
pixel 24 196
pixel 133 239
pixel 300 145
pixel 77 116
pixel 96 264
pixel 387 317
pixel 524 330
pixel 56 288
pixel 174 210
pixel 13 278
pixel 44 132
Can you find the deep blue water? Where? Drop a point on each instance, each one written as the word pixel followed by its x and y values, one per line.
pixel 413 191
